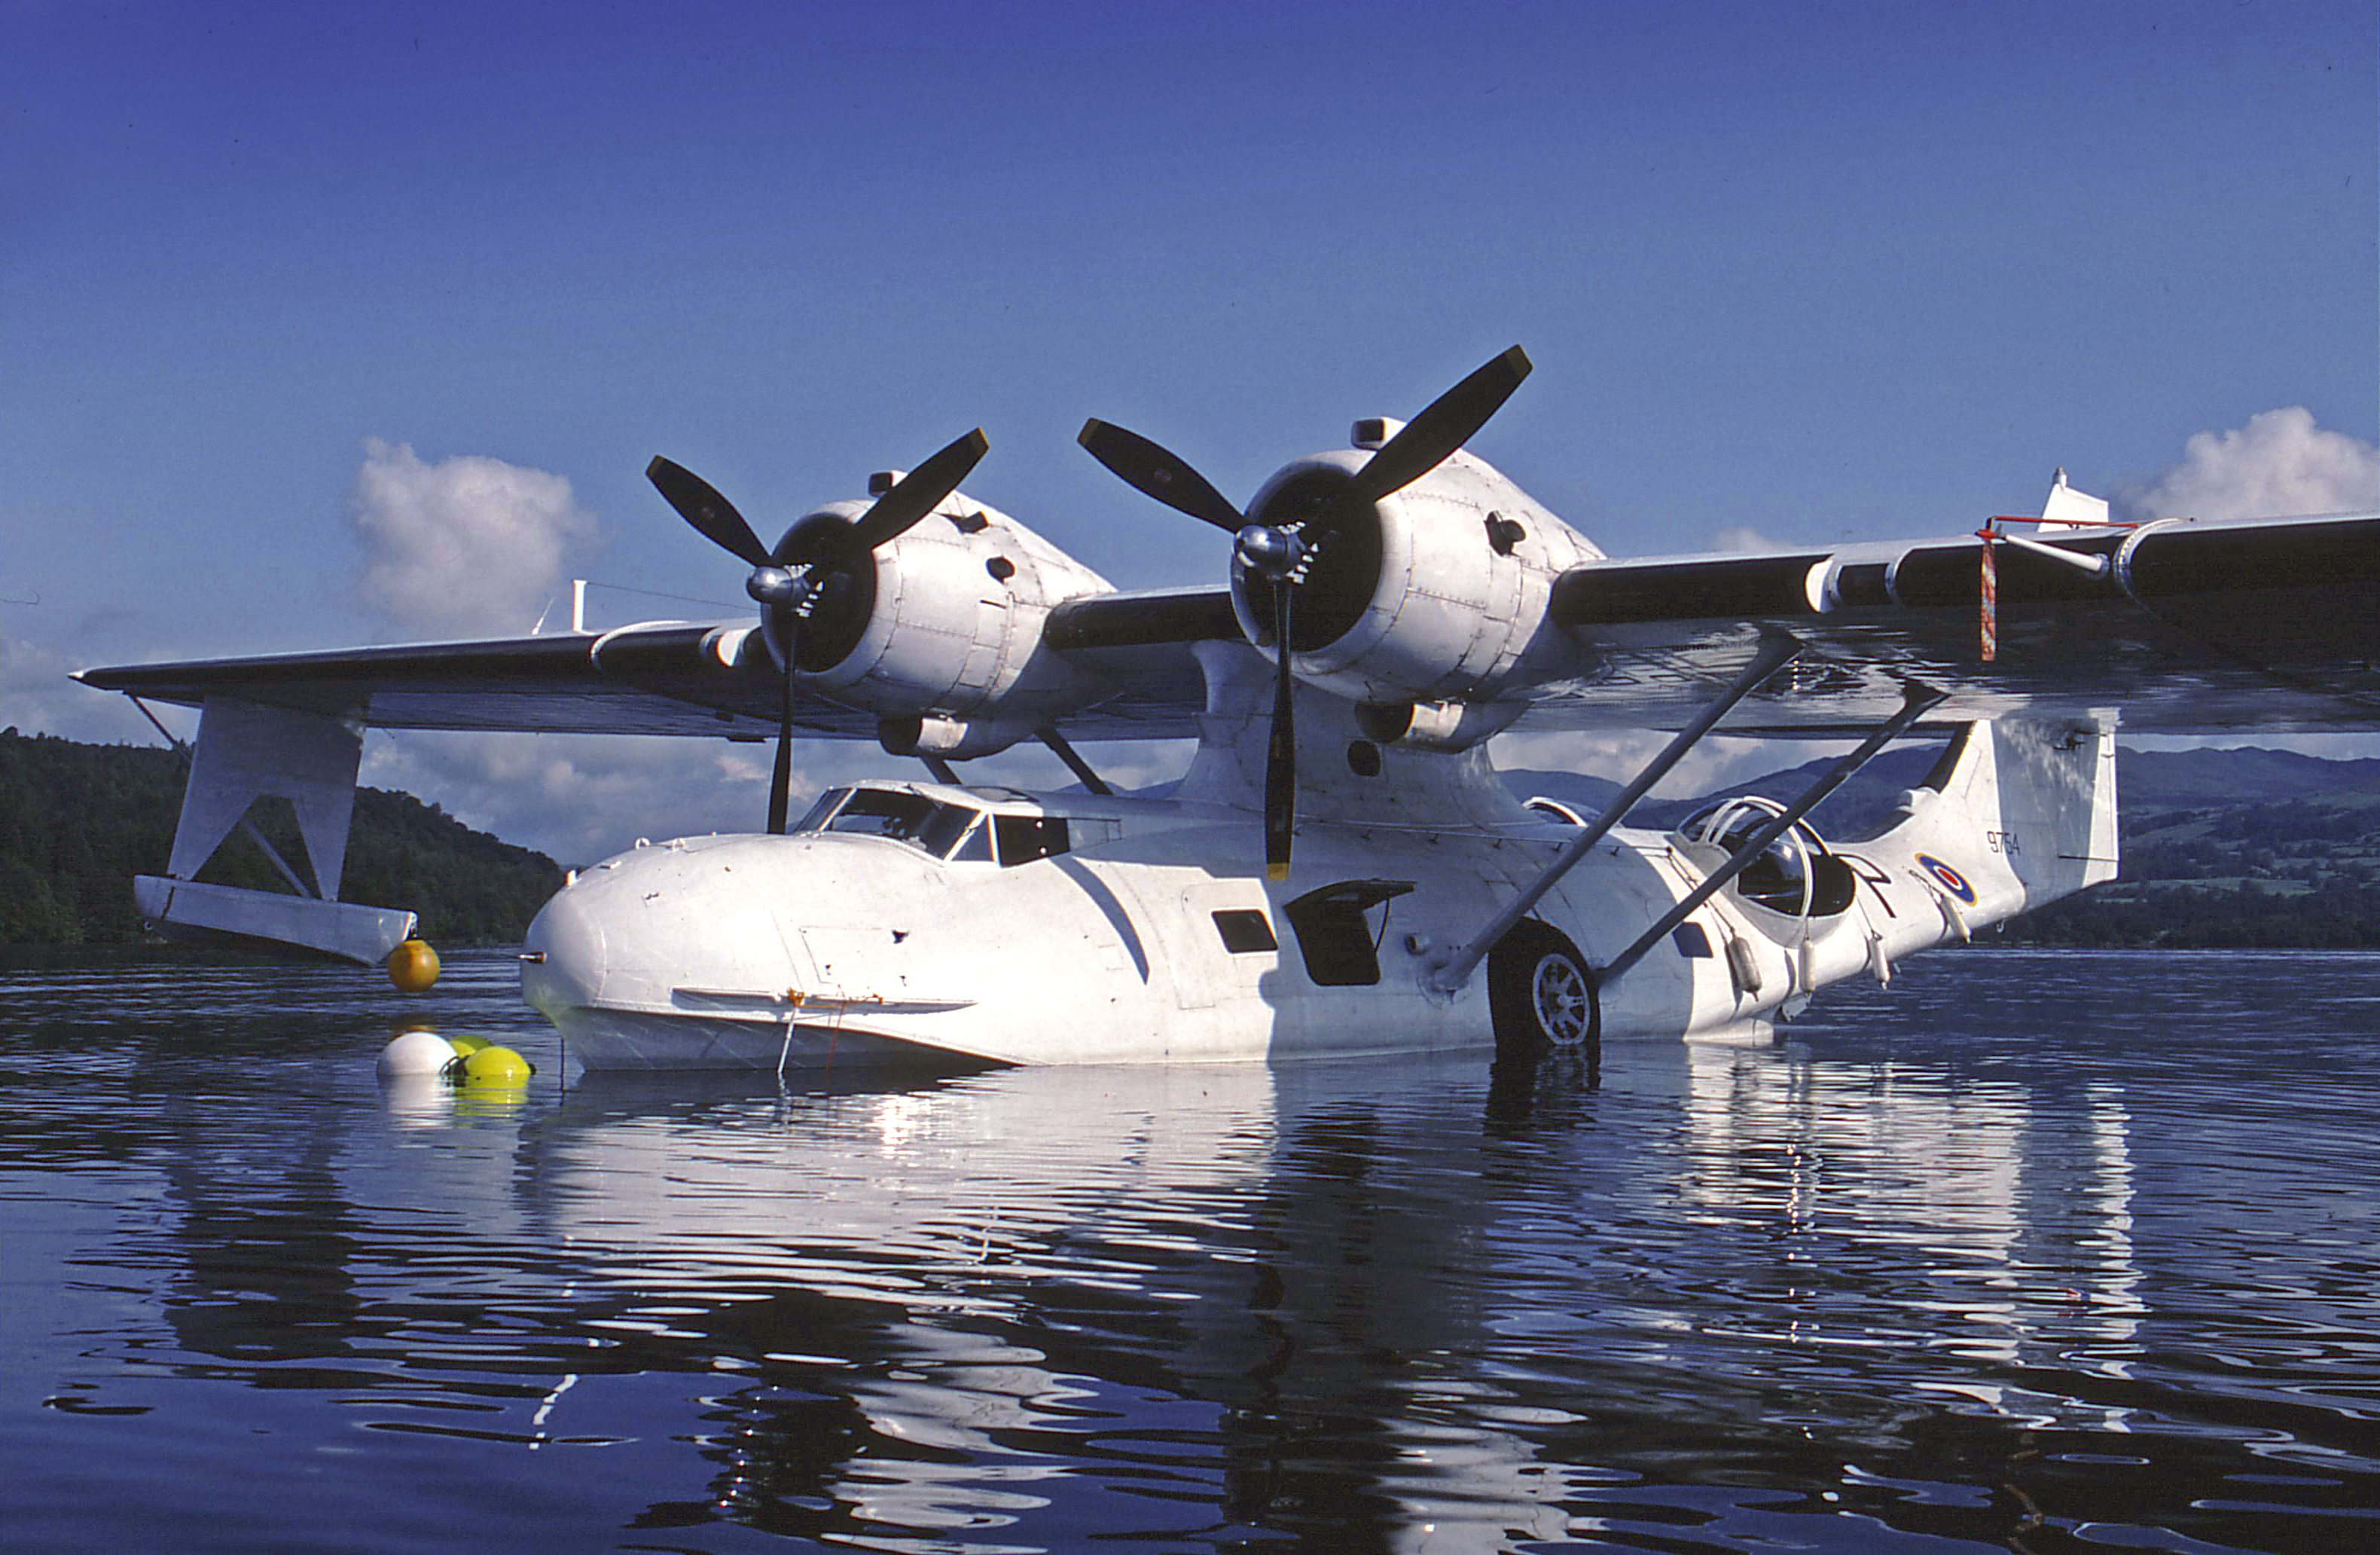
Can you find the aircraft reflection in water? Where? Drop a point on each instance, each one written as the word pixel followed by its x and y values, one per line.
pixel 1988 1197
pixel 1321 1300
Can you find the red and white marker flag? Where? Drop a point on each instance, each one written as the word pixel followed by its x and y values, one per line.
pixel 1989 627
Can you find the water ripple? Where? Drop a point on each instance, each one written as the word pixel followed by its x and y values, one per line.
pixel 2029 1250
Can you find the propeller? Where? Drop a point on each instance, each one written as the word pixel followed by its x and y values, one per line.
pixel 786 583
pixel 1283 553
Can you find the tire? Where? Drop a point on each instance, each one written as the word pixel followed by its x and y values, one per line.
pixel 1542 994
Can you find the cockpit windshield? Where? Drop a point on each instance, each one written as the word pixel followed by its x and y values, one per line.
pixel 933 826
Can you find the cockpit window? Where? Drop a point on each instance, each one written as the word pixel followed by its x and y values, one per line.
pixel 818 812
pixel 930 825
pixel 1024 838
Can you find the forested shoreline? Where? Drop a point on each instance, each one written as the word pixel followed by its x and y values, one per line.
pixel 77 821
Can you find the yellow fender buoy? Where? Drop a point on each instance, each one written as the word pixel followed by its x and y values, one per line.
pixel 495 1066
pixel 413 967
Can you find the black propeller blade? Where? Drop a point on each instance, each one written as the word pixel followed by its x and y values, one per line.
pixel 1446 424
pixel 786 593
pixel 712 516
pixel 780 772
pixel 1282 554
pixel 911 498
pixel 1153 471
pixel 1281 749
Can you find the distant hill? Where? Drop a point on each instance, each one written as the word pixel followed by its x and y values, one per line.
pixel 77 821
pixel 2235 846
pixel 2216 778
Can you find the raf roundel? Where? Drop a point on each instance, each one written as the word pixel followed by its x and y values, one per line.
pixel 1951 881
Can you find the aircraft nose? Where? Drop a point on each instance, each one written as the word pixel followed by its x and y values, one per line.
pixel 567 937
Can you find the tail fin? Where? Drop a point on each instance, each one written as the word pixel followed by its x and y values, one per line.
pixel 2024 811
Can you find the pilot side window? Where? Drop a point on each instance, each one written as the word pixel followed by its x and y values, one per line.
pixel 1024 838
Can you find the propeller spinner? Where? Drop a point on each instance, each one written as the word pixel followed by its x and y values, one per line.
pixel 788 583
pixel 1283 554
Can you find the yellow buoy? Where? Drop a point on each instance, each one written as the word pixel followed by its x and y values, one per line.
pixel 495 1066
pixel 413 967
pixel 466 1046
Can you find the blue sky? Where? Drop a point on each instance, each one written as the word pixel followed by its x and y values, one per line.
pixel 1810 270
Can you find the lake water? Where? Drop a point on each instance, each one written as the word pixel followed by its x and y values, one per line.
pixel 2036 1251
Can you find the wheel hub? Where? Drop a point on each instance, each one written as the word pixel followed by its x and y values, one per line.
pixel 1563 1003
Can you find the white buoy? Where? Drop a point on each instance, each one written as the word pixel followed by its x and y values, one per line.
pixel 416 1052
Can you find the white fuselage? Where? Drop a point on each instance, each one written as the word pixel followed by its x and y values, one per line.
pixel 836 948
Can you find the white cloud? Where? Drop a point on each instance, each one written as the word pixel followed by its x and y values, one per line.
pixel 2280 464
pixel 37 697
pixel 467 546
pixel 579 797
pixel 1743 538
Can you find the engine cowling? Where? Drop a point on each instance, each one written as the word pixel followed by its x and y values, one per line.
pixel 941 625
pixel 1422 605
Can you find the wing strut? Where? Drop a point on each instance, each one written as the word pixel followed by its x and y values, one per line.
pixel 1775 651
pixel 1916 700
pixel 1048 735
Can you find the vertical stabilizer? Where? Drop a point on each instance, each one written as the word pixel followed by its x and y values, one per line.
pixel 2024 813
pixel 2057 786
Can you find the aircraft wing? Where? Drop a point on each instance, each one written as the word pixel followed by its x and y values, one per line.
pixel 2197 627
pixel 672 678
pixel 2270 625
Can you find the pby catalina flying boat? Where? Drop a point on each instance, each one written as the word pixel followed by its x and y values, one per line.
pixel 1341 871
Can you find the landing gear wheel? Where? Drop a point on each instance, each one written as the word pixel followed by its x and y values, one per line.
pixel 1560 999
pixel 1542 994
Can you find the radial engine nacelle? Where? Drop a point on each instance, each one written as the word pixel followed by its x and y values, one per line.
pixel 937 631
pixel 1421 606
